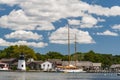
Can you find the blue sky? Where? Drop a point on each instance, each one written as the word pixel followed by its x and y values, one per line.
pixel 42 25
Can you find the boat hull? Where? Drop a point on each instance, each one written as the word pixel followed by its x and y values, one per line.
pixel 118 74
pixel 71 70
pixel 4 69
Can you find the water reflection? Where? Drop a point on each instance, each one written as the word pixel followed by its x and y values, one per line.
pixel 57 76
pixel 21 76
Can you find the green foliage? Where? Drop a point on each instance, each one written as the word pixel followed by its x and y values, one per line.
pixel 15 51
pixel 90 56
pixel 77 56
pixel 27 68
pixel 65 58
pixel 116 59
pixel 54 55
pixel 40 56
pixel 107 60
pixel 14 68
pixel 2 54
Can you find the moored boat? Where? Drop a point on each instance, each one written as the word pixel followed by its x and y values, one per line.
pixel 118 74
pixel 69 69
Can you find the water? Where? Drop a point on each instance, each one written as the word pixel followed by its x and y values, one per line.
pixel 57 76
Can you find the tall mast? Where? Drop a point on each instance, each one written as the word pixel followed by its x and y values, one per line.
pixel 75 44
pixel 69 45
pixel 75 51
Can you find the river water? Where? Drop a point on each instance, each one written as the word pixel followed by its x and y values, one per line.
pixel 57 76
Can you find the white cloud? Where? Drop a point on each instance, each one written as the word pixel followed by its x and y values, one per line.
pixel 39 14
pixel 104 11
pixel 3 42
pixel 108 33
pixel 60 36
pixel 33 44
pixel 9 2
pixel 18 20
pixel 101 20
pixel 23 35
pixel 88 22
pixel 116 27
pixel 59 8
pixel 98 26
pixel 74 22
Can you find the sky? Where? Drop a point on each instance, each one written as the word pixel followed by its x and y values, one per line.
pixel 43 25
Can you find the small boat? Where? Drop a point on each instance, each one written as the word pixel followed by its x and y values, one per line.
pixel 118 74
pixel 3 67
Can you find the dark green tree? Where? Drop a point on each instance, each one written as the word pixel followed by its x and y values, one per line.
pixel 77 56
pixel 107 60
pixel 90 56
pixel 116 59
pixel 15 51
pixel 54 55
pixel 40 56
pixel 2 54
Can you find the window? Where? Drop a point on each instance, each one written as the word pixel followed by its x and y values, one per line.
pixel 43 65
pixel 21 65
pixel 48 65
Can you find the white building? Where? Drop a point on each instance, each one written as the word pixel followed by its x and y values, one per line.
pixel 46 66
pixel 97 66
pixel 21 63
pixel 4 66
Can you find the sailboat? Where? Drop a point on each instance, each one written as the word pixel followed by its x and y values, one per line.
pixel 69 68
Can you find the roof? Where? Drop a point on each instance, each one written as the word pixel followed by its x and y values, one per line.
pixel 84 63
pixel 34 62
pixel 7 60
pixel 3 63
pixel 46 62
pixel 96 64
pixel 115 65
pixel 56 61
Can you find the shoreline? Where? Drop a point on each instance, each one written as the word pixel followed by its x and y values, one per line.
pixel 55 71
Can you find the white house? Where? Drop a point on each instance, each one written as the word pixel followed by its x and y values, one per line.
pixel 46 66
pixel 96 66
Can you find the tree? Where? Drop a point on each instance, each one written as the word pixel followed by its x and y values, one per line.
pixel 107 60
pixel 41 56
pixel 15 51
pixel 2 54
pixel 116 59
pixel 54 55
pixel 90 56
pixel 77 56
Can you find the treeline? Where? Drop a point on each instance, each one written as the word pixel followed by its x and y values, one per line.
pixel 14 51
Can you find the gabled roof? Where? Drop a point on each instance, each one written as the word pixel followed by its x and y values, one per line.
pixel 115 65
pixel 46 62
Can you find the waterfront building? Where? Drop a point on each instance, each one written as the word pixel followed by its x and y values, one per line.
pixel 9 61
pixel 21 63
pixel 34 65
pixel 46 66
pixel 4 66
pixel 115 68
pixel 96 66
